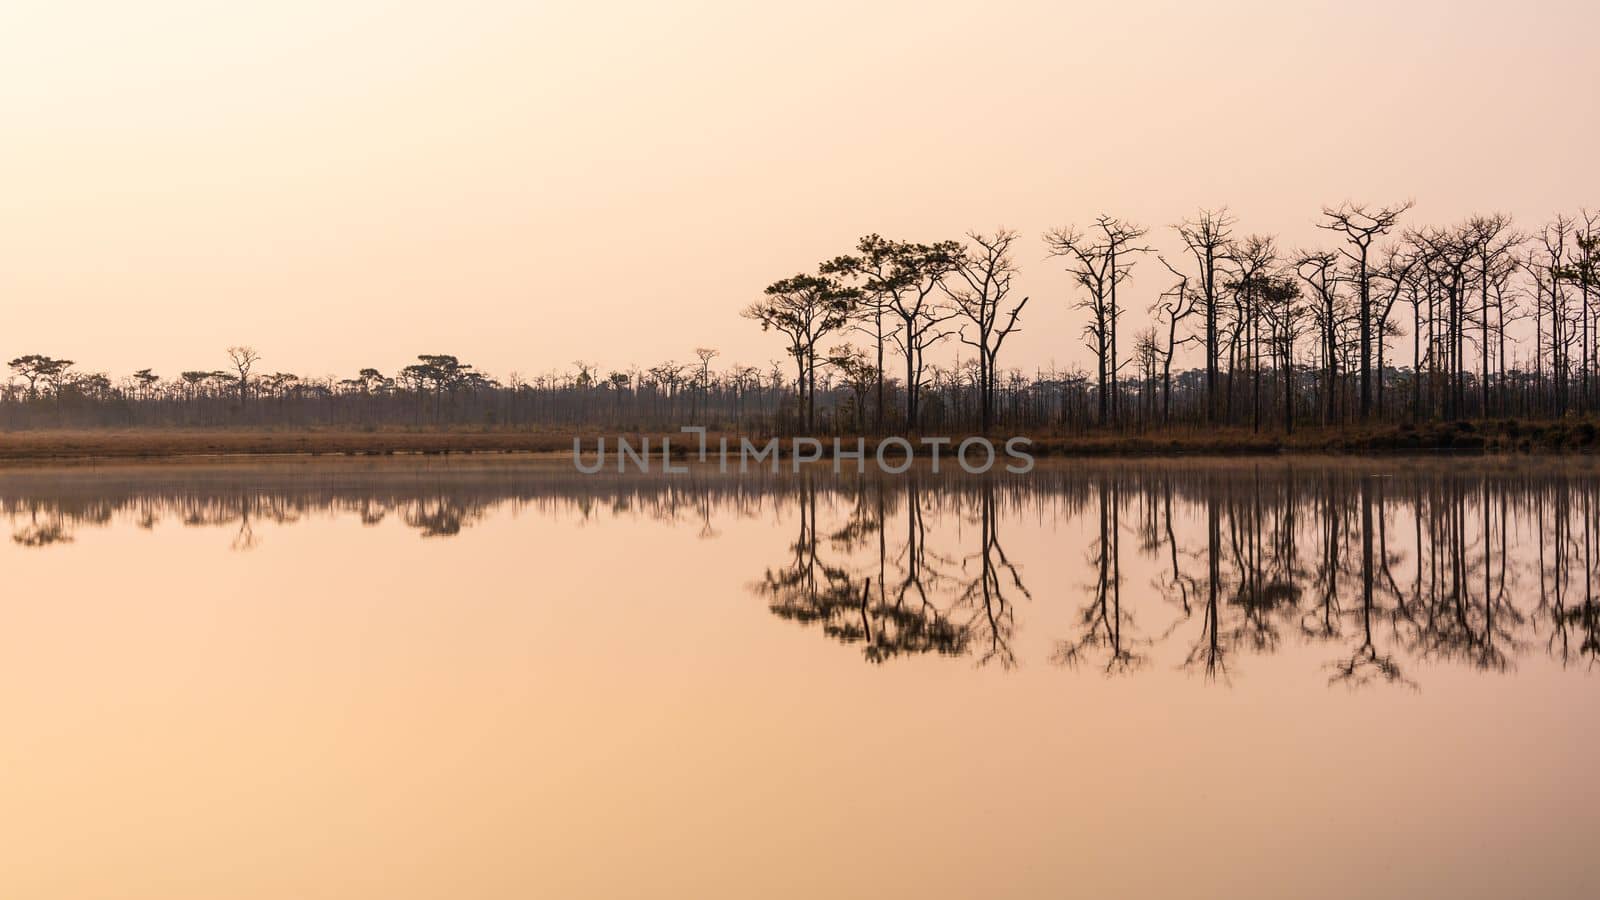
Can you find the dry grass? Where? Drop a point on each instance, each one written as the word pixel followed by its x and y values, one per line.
pixel 165 443
pixel 1490 436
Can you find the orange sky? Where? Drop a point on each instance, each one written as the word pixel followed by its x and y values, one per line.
pixel 523 184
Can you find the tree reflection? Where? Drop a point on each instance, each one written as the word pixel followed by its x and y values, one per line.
pixel 1421 566
pixel 811 590
pixel 1383 570
pixel 1106 625
pixel 989 595
pixel 1365 662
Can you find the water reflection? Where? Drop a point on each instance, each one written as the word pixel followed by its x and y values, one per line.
pixel 924 601
pixel 1421 563
pixel 1379 568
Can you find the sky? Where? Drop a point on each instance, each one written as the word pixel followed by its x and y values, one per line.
pixel 526 184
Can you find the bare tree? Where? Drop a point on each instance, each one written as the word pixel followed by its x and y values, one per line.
pixel 1280 306
pixel 1320 270
pixel 705 355
pixel 244 359
pixel 1099 259
pixel 1494 243
pixel 1552 267
pixel 1253 258
pixel 1584 270
pixel 1360 226
pixel 1173 307
pixel 1448 254
pixel 1393 275
pixel 1207 238
pixel 985 273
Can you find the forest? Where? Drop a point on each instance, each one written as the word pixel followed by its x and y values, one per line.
pixel 1388 322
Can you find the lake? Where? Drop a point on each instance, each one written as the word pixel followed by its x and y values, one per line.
pixel 481 677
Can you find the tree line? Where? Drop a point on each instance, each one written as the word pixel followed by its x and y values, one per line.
pixel 1490 320
pixel 1386 322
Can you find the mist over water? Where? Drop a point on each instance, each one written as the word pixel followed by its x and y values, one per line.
pixel 423 677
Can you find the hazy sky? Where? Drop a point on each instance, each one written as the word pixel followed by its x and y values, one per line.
pixel 345 184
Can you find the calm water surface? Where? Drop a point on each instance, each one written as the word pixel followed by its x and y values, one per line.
pixel 1311 678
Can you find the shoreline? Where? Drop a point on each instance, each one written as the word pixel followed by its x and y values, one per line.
pixel 1508 437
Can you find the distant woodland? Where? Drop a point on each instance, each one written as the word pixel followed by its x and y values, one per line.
pixel 1389 321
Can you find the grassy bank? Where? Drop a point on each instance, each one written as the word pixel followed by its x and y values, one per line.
pixel 174 443
pixel 1499 436
pixel 1492 436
